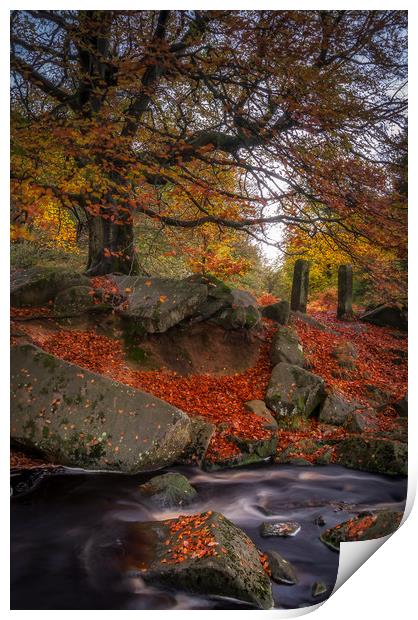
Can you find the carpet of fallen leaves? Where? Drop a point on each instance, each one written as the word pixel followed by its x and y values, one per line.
pixel 377 347
pixel 220 399
pixel 381 360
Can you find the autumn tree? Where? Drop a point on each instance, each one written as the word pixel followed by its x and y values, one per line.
pixel 113 109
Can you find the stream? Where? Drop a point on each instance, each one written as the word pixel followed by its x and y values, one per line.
pixel 54 515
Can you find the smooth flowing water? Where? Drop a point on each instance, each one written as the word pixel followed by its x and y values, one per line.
pixel 54 516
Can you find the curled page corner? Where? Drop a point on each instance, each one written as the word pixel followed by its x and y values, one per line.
pixel 353 555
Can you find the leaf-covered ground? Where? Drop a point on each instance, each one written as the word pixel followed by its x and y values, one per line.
pixel 220 399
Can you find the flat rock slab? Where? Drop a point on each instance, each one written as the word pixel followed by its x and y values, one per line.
pixel 384 456
pixel 367 527
pixel 79 418
pixel 202 553
pixel 156 304
pixel 281 528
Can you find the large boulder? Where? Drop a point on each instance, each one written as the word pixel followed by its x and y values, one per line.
pixel 168 490
pixel 336 409
pixel 79 418
pixel 201 432
pixel 293 391
pixel 201 553
pixel 363 527
pixel 219 296
pixel 156 304
pixel 278 312
pixel 384 456
pixel 39 285
pixel 364 421
pixel 74 301
pixel 387 316
pixel 285 347
pixel 242 313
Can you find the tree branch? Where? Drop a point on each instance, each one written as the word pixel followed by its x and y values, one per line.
pixel 38 80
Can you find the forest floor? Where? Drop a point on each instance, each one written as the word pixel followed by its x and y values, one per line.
pixel 219 397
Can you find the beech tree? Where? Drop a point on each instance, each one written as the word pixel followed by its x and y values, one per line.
pixel 113 110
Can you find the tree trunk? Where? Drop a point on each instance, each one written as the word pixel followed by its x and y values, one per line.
pixel 111 248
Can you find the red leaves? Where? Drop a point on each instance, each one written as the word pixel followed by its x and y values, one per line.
pixel 374 364
pixel 190 538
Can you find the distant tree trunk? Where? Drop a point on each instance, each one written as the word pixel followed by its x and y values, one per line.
pixel 111 248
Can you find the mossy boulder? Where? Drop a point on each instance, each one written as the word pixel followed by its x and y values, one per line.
pixel 293 391
pixel 362 527
pixel 241 313
pixel 168 490
pixel 38 286
pixel 278 312
pixel 285 347
pixel 75 301
pixel 202 554
pixel 336 409
pixel 384 456
pixel 201 432
pixel 79 418
pixel 156 304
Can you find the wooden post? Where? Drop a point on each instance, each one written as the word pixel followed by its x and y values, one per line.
pixel 345 292
pixel 300 286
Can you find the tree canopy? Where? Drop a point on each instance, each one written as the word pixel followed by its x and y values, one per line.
pixel 285 118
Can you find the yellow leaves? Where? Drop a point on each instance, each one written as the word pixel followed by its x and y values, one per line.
pixel 163 298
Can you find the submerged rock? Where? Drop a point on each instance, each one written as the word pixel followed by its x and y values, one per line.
pixel 364 527
pixel 282 571
pixel 39 285
pixel 318 588
pixel 156 304
pixel 203 553
pixel 293 391
pixel 285 347
pixel 169 490
pixel 384 456
pixel 279 528
pixel 79 418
